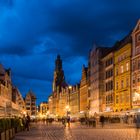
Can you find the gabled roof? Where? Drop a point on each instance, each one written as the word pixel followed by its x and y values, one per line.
pixel 84 72
pixel 30 93
pixel 137 26
pixel 119 44
pixel 2 70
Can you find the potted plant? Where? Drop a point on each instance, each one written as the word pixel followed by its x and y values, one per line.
pixel 2 129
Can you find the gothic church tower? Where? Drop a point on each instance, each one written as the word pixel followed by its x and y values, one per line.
pixel 59 78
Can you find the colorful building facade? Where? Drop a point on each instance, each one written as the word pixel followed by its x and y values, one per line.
pixel 74 102
pixel 108 70
pixel 50 105
pixel 8 106
pixel 96 79
pixel 136 67
pixel 63 101
pixel 110 84
pixel 84 91
pixel 44 109
pixel 30 103
pixel 122 83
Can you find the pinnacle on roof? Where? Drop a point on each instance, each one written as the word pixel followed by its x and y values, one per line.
pixel 58 56
pixel 2 70
pixel 31 93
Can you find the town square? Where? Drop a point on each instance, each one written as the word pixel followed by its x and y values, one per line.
pixel 69 70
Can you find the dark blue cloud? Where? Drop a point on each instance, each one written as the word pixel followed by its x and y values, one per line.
pixel 33 32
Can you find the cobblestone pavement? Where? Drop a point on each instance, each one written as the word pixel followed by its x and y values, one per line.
pixel 77 132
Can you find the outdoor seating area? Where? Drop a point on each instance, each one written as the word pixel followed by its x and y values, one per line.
pixel 9 127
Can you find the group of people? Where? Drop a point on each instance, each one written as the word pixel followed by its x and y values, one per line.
pixel 25 122
pixel 126 119
pixel 66 120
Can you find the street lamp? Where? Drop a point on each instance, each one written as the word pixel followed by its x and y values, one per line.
pixel 70 87
pixel 67 109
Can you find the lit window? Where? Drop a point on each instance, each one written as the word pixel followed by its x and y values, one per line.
pixel 127 66
pixel 121 69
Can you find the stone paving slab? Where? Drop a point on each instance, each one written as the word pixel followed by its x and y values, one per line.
pixel 76 132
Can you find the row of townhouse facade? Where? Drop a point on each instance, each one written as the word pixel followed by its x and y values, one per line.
pixel 110 83
pixel 11 101
pixel 114 76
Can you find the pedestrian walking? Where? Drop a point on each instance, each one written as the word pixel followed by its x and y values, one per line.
pixel 21 123
pixel 68 121
pixel 137 120
pixel 102 120
pixel 64 121
pixel 24 122
pixel 27 122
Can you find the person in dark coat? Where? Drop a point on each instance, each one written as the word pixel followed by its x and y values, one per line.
pixel 102 120
pixel 27 122
pixel 137 121
pixel 68 121
pixel 64 121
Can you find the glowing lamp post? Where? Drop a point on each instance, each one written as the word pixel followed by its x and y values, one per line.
pixel 70 87
pixel 67 110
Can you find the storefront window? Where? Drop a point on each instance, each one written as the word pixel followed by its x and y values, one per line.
pixel 122 70
pixel 127 66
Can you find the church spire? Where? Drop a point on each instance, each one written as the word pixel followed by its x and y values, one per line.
pixel 59 78
pixel 58 63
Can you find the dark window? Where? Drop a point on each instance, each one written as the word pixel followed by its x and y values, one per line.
pixel 138 79
pixel 109 62
pixel 133 81
pixel 27 108
pixel 111 85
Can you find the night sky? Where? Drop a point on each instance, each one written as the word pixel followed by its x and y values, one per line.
pixel 33 32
